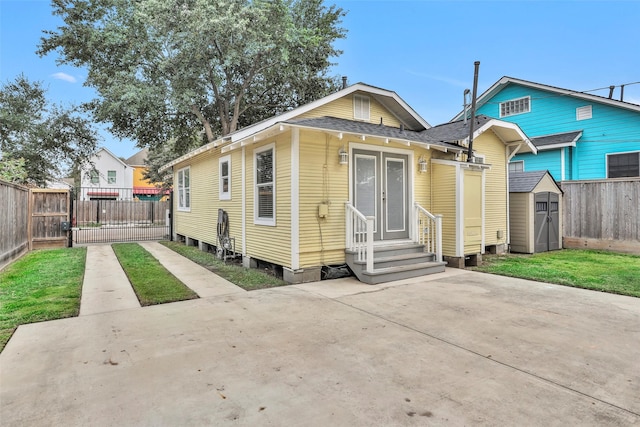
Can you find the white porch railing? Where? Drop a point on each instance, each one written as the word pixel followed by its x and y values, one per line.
pixel 360 235
pixel 428 230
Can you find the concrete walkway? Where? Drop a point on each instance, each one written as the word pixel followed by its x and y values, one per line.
pixel 203 282
pixel 106 287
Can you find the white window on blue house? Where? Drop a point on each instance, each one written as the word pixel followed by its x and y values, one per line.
pixel 225 178
pixel 265 186
pixel 517 166
pixel 361 107
pixel 184 189
pixel 584 113
pixel 515 106
pixel 623 165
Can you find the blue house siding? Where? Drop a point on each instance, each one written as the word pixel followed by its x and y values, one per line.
pixel 610 130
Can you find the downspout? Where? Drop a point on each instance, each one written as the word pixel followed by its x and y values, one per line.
pixel 473 110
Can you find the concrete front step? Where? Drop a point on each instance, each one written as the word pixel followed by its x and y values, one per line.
pixel 389 274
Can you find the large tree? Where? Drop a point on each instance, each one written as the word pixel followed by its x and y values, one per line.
pixel 189 71
pixel 41 139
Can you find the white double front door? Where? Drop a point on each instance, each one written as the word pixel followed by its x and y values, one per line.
pixel 381 190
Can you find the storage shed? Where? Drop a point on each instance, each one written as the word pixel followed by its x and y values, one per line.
pixel 535 212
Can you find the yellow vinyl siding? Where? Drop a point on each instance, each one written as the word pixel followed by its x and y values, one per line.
pixel 496 195
pixel 200 222
pixel 265 242
pixel 322 180
pixel 472 211
pixel 444 203
pixel 343 108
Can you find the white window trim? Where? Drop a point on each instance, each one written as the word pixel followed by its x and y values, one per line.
pixel 513 100
pixel 224 195
pixel 517 161
pixel 606 160
pixel 366 115
pixel 183 208
pixel 256 219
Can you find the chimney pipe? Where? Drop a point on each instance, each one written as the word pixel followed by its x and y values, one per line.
pixel 464 103
pixel 344 82
pixel 473 110
pixel 611 88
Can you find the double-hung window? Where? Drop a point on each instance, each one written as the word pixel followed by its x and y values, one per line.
pixel 111 177
pixel 516 166
pixel 184 189
pixel 265 186
pixel 225 178
pixel 94 177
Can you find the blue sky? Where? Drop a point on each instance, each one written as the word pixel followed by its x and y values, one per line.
pixel 423 50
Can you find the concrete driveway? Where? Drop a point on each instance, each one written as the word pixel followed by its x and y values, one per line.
pixel 457 348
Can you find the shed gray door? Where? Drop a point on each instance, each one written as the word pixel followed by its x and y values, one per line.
pixel 546 225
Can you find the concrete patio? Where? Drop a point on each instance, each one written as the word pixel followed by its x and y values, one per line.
pixel 456 348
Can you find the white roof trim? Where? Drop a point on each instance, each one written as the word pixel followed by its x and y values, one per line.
pixel 507 125
pixel 268 123
pixel 576 94
pixel 113 155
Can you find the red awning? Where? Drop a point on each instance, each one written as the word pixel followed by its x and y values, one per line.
pixel 148 190
pixel 103 194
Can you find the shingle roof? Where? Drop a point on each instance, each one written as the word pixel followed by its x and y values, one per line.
pixel 524 182
pixel 350 126
pixel 455 131
pixel 560 139
pixel 138 158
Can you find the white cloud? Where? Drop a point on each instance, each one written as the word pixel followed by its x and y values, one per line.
pixel 64 76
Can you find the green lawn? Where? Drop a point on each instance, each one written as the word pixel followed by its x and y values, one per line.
pixel 152 283
pixel 42 285
pixel 598 270
pixel 247 278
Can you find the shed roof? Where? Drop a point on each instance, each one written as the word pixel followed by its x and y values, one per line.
pixel 525 182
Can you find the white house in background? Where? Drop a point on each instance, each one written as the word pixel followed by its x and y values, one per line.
pixel 106 177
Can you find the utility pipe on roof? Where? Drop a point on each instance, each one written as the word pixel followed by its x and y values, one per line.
pixel 473 110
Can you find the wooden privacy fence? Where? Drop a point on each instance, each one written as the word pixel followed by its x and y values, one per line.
pixel 14 221
pixel 31 219
pixel 603 214
pixel 49 210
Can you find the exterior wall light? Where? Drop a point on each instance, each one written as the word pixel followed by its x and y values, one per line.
pixel 422 164
pixel 344 156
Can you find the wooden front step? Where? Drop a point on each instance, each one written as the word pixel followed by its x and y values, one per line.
pixel 395 262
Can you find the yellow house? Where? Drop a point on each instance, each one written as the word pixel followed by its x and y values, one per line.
pixel 143 189
pixel 356 178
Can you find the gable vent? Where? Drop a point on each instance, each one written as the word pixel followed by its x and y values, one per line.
pixel 584 113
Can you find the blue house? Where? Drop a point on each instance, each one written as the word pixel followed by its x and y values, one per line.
pixel 578 135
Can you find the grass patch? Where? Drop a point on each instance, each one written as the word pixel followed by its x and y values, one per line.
pixel 152 283
pixel 247 278
pixel 597 270
pixel 42 285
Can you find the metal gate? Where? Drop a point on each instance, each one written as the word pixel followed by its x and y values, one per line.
pixel 547 222
pixel 104 215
